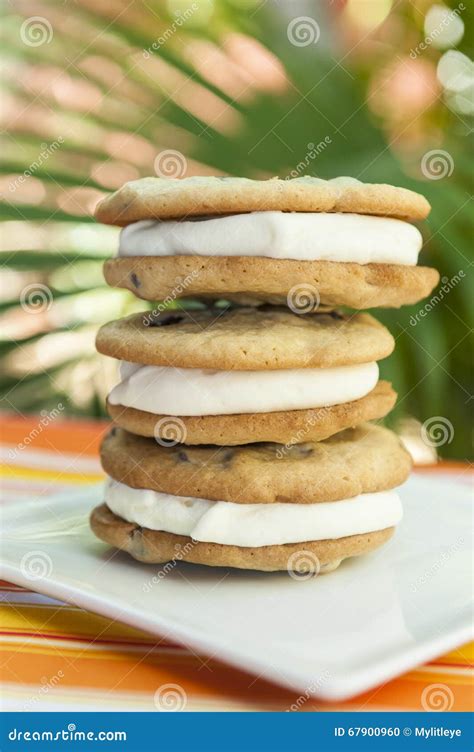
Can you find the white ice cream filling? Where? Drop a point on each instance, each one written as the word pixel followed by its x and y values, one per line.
pixel 197 391
pixel 253 525
pixel 304 236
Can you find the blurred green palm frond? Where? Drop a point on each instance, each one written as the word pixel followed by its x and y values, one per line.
pixel 100 93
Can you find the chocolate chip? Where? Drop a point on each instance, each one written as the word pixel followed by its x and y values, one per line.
pixel 135 281
pixel 226 457
pixel 113 431
pixel 166 320
pixel 183 457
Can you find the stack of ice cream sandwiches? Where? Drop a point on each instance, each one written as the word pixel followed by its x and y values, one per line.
pixel 241 431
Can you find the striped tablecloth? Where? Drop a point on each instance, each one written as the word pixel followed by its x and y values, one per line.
pixel 58 657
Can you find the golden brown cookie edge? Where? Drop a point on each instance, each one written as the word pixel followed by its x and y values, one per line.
pixel 151 198
pixel 344 339
pixel 256 280
pixel 286 427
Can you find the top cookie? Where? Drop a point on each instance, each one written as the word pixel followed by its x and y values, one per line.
pixel 246 339
pixel 168 198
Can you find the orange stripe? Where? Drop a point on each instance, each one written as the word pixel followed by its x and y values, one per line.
pixel 4 585
pixel 65 435
pixel 115 672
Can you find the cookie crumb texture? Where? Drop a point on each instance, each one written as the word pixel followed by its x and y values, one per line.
pixel 153 547
pixel 230 339
pixel 251 281
pixel 168 198
pixel 287 427
pixel 365 459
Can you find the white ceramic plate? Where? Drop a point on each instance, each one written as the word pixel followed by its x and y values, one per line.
pixel 331 636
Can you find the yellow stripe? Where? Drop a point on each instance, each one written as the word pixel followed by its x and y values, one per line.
pixel 65 621
pixel 100 653
pixel 26 473
pixel 463 654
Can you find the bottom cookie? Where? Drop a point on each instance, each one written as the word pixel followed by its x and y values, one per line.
pixel 153 547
